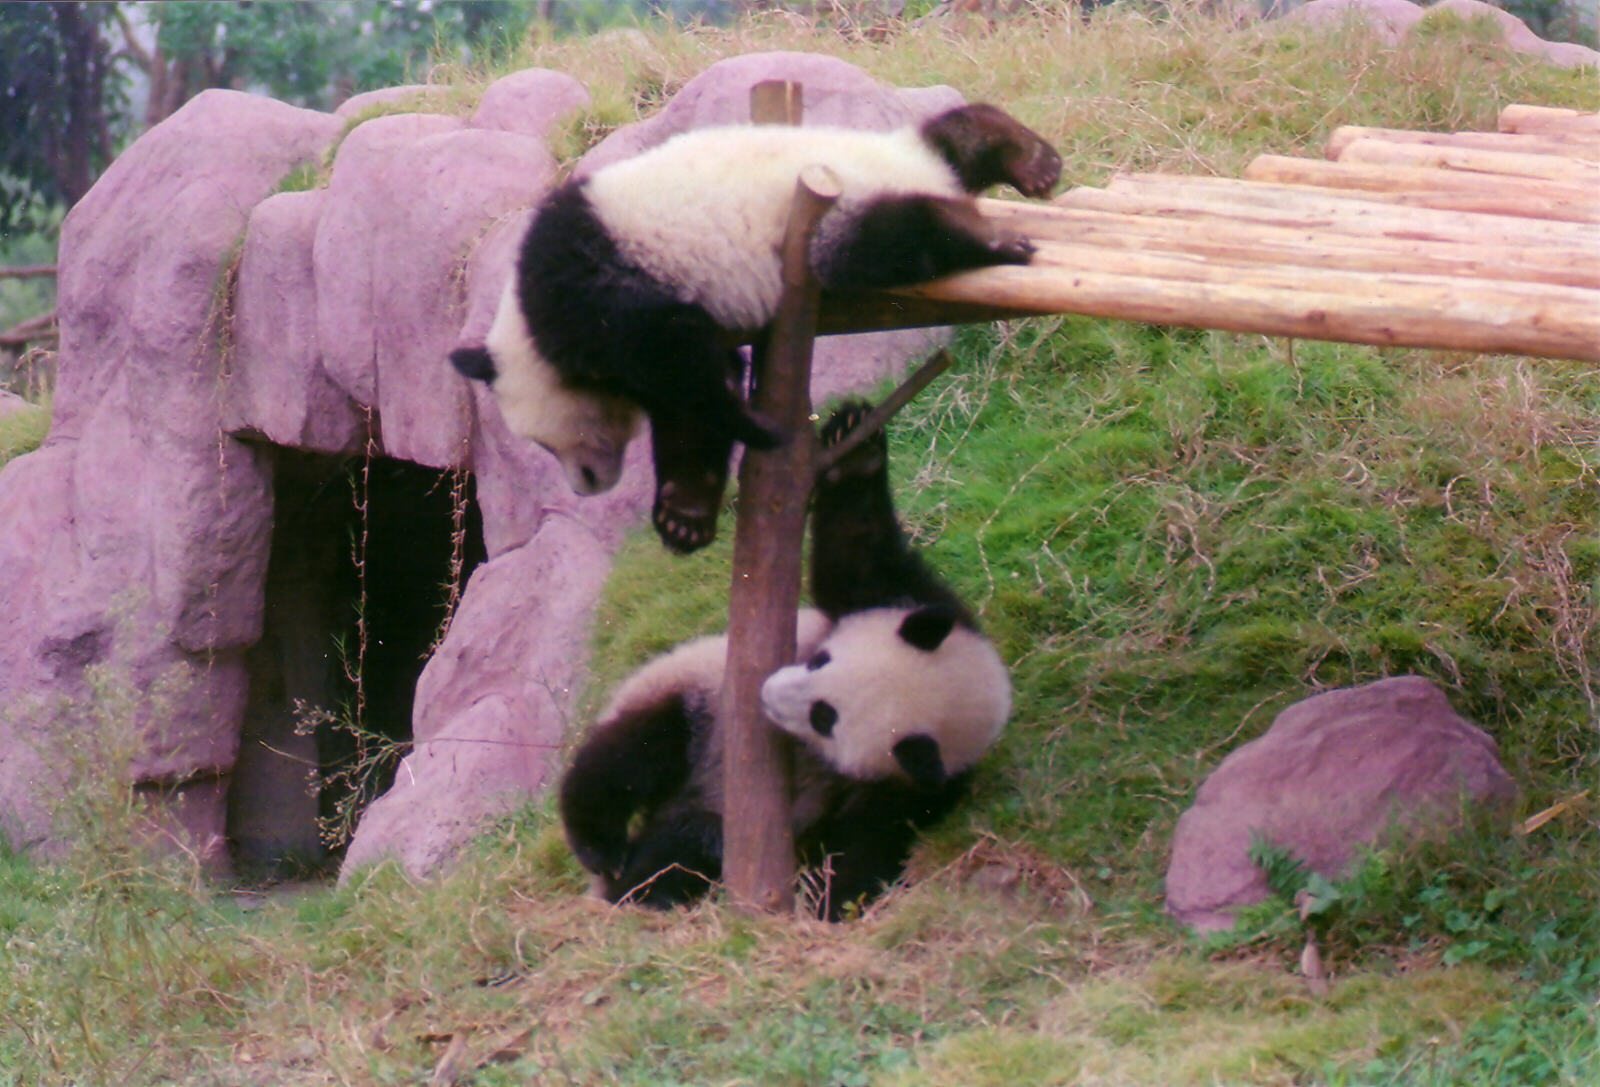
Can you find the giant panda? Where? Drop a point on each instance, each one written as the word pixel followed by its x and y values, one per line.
pixel 895 696
pixel 635 285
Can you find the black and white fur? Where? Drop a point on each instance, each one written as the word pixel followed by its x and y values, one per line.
pixel 635 285
pixel 896 699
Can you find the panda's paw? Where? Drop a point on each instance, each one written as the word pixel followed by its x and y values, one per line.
pixel 1009 248
pixel 868 458
pixel 685 518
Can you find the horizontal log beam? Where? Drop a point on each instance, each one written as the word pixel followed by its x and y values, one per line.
pixel 1475 160
pixel 1323 210
pixel 1583 147
pixel 1547 119
pixel 1262 243
pixel 1452 189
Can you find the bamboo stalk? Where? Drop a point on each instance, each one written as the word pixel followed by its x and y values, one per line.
pixel 1333 212
pixel 1546 119
pixel 1475 160
pixel 774 488
pixel 1581 147
pixel 1255 243
pixel 1457 189
pixel 1398 314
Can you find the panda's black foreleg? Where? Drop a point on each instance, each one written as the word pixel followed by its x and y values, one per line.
pixel 859 555
pixel 900 240
pixel 863 844
pixel 624 767
pixel 674 860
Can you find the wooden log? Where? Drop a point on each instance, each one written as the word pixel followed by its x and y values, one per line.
pixel 774 488
pixel 1060 258
pixel 1257 243
pixel 1582 147
pixel 1547 119
pixel 1437 188
pixel 1401 314
pixel 1475 160
pixel 1333 212
pixel 27 271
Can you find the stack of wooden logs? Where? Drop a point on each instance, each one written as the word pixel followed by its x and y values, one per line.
pixel 1469 240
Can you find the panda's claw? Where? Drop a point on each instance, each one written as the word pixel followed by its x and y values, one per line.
pixel 866 459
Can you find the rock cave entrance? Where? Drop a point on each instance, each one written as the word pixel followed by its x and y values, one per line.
pixel 352 537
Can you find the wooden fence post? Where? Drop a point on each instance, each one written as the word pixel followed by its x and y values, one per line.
pixel 774 487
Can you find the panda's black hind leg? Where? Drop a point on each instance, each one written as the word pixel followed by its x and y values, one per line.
pixel 866 459
pixel 691 474
pixel 987 146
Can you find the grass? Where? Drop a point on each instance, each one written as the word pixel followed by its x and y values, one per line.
pixel 1172 535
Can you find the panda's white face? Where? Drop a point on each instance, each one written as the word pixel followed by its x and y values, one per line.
pixel 587 432
pixel 867 689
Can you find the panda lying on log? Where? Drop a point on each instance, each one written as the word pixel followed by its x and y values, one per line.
pixel 635 286
pixel 896 697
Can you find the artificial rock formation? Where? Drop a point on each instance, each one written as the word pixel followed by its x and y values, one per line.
pixel 1334 773
pixel 253 387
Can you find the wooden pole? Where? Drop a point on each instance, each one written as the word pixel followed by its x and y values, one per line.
pixel 758 847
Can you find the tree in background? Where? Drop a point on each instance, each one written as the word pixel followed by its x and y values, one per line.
pixel 70 71
pixel 61 109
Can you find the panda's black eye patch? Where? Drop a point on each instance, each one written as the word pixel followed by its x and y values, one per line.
pixel 823 718
pixel 819 659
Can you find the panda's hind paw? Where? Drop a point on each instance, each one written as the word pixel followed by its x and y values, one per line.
pixel 684 524
pixel 865 459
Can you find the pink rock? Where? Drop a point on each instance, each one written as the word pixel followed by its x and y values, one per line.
pixel 135 539
pixel 1334 772
pixel 344 250
pixel 11 404
pixel 278 388
pixel 531 102
pixel 492 702
pixel 1518 36
pixel 411 98
pixel 1392 19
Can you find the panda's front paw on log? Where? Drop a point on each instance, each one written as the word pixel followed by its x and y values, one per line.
pixel 868 458
pixel 685 518
pixel 1012 248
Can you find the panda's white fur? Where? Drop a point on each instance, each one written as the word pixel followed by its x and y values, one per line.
pixel 718 245
pixel 883 689
pixel 587 432
pixel 697 667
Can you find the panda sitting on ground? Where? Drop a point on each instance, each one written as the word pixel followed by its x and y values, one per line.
pixel 896 697
pixel 635 286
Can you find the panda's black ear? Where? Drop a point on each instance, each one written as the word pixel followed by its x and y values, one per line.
pixel 473 362
pixel 919 757
pixel 926 628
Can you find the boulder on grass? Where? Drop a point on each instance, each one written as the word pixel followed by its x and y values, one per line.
pixel 1334 773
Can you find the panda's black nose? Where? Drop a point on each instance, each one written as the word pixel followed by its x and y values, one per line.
pixel 473 362
pixel 823 718
pixel 589 479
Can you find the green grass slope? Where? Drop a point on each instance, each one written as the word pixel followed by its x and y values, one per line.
pixel 1171 534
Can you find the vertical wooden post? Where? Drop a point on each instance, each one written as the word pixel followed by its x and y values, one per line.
pixel 758 847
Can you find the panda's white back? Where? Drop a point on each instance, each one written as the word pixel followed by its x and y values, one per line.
pixel 706 210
